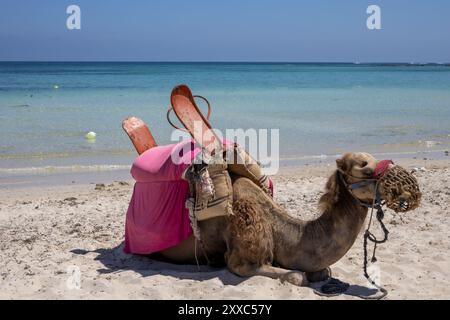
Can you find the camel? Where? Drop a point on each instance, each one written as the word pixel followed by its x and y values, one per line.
pixel 261 238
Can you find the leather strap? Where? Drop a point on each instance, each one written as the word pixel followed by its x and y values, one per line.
pixel 171 109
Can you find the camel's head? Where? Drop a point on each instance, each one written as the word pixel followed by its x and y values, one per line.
pixel 357 167
pixel 366 179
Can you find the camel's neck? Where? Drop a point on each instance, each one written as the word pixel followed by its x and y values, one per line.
pixel 317 244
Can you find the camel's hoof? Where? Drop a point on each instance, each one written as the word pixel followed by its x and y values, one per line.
pixel 296 278
pixel 318 275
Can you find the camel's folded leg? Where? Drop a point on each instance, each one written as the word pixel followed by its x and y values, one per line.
pixel 297 278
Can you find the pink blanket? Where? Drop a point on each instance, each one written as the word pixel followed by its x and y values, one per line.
pixel 157 218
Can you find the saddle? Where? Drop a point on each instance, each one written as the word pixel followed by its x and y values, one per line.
pixel 211 173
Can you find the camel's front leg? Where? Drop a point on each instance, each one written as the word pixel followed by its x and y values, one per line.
pixel 297 278
pixel 317 276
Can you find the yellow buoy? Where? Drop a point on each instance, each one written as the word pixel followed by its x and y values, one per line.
pixel 91 135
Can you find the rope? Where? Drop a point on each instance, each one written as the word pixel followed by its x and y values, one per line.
pixel 171 109
pixel 195 252
pixel 196 232
pixel 371 237
pixel 379 287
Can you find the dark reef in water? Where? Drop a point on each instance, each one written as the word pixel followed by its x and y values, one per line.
pixel 20 106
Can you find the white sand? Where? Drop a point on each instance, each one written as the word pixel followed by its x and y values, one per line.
pixel 42 236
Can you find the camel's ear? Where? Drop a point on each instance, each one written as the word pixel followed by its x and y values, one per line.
pixel 331 194
pixel 341 164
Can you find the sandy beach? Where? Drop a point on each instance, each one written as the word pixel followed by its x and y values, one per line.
pixel 48 232
pixel 88 87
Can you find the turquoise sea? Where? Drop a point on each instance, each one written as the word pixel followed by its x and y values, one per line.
pixel 320 109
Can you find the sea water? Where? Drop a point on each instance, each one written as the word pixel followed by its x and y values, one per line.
pixel 321 110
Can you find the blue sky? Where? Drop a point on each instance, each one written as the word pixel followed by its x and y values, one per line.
pixel 232 30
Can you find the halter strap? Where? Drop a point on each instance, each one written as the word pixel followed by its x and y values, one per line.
pixel 360 184
pixel 356 185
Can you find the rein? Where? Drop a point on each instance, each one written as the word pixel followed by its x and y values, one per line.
pixel 369 236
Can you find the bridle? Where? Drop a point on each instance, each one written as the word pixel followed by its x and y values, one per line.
pixel 360 184
pixel 380 170
pixel 377 204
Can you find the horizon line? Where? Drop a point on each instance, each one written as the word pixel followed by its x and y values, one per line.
pixel 198 61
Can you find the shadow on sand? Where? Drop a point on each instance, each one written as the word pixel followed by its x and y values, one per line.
pixel 348 290
pixel 116 260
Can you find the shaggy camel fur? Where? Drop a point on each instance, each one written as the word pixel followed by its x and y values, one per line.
pixel 261 238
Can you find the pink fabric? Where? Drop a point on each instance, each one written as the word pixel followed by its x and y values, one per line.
pixel 157 218
pixel 381 168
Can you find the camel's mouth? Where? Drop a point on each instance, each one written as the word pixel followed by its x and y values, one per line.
pixel 399 189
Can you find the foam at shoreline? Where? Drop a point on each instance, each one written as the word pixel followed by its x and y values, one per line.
pixel 63 169
pixel 301 159
pixel 106 173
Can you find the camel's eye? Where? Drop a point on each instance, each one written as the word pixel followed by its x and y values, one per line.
pixel 364 163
